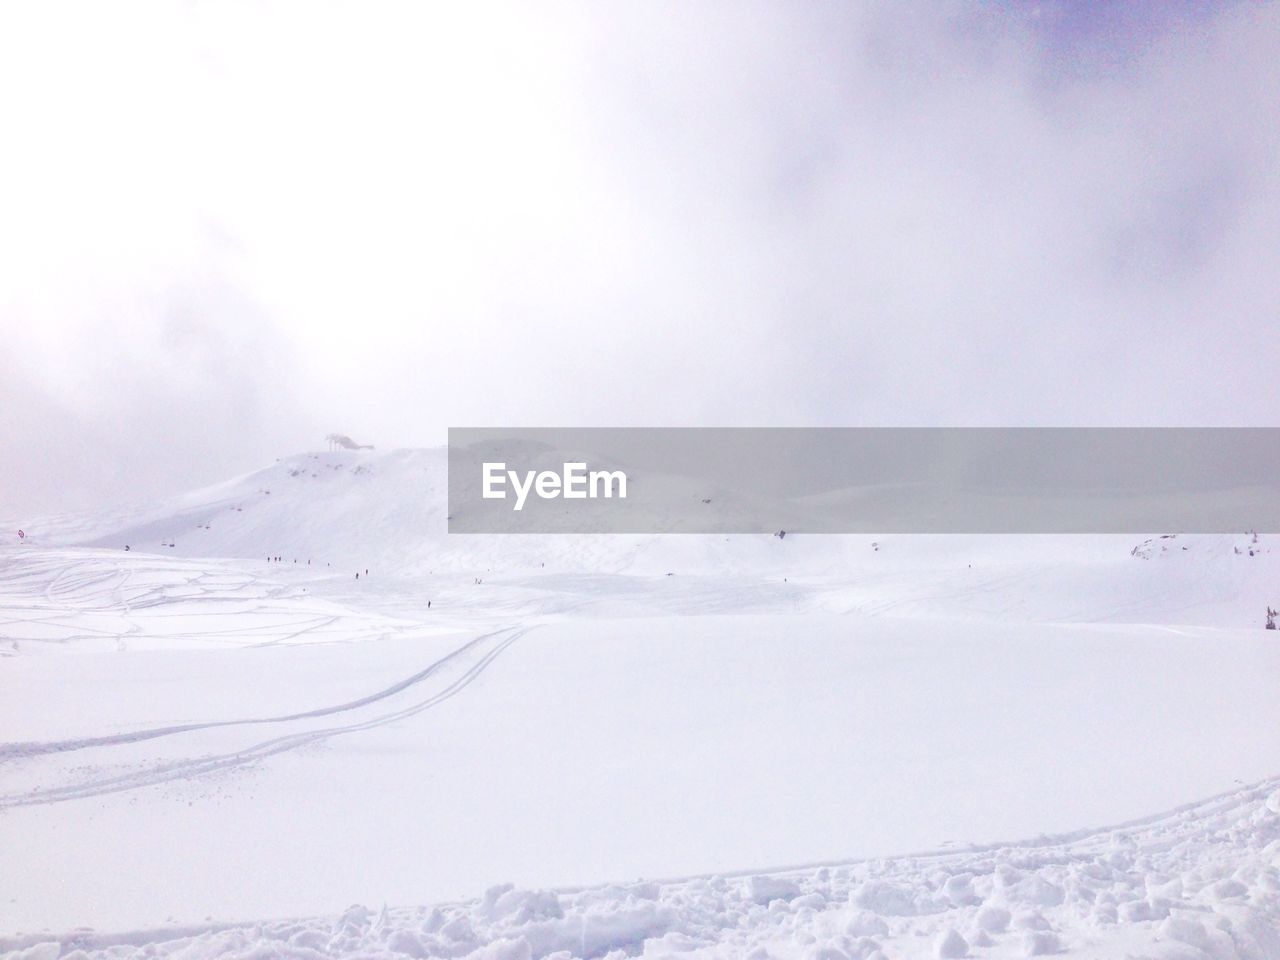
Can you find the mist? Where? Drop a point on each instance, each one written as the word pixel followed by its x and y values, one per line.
pixel 229 230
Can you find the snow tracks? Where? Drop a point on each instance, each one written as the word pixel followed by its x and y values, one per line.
pixel 1199 882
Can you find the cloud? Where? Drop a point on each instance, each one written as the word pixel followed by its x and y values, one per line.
pixel 153 391
pixel 233 228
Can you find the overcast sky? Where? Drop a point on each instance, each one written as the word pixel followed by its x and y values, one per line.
pixel 227 230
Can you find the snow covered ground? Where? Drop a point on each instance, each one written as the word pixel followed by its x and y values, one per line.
pixel 196 742
pixel 1199 881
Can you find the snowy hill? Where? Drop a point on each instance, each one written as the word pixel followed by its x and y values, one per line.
pixel 353 510
pixel 196 738
pixel 318 505
pixel 359 508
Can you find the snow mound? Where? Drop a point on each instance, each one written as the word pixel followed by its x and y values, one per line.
pixel 1205 879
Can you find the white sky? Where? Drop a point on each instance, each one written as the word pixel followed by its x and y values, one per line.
pixel 228 229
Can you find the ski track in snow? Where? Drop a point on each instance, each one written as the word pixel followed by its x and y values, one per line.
pixel 1200 881
pixel 120 591
pixel 484 648
pixel 27 750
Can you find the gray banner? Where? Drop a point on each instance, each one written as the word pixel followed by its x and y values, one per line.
pixel 864 480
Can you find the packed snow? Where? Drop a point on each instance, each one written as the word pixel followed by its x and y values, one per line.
pixel 686 746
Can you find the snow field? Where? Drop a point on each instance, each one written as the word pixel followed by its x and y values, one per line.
pixel 1200 882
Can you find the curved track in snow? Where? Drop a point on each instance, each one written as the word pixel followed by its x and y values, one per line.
pixel 34 749
pixel 486 648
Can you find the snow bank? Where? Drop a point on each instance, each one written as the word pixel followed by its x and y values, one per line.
pixel 1205 881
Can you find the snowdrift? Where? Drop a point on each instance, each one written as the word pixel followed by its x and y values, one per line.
pixel 196 737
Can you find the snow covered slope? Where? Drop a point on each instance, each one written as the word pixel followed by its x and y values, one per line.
pixel 348 504
pixel 194 738
pixel 353 510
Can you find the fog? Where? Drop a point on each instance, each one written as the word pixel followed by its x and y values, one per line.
pixel 227 230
